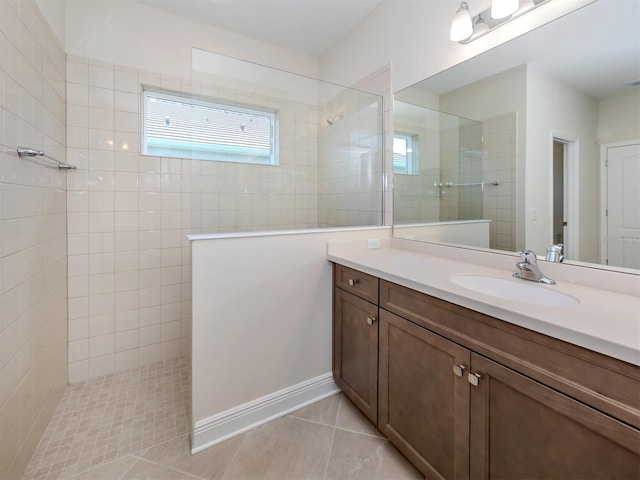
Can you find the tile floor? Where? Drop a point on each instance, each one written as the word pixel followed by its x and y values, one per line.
pixel 134 424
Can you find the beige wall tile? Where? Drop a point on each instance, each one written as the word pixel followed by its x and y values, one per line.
pixel 33 326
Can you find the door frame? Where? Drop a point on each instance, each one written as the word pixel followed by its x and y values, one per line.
pixel 604 181
pixel 571 192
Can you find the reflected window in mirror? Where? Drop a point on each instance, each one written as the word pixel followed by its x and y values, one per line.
pixel 405 154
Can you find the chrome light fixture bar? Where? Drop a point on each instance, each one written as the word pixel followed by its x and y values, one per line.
pixel 500 12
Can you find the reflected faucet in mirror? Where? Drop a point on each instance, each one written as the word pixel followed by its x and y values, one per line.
pixel 554 253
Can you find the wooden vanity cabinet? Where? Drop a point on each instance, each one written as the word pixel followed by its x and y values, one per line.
pixel 423 404
pixel 466 395
pixel 521 428
pixel 507 426
pixel 355 338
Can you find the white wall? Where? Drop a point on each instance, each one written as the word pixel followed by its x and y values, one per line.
pixel 53 12
pixel 469 233
pixel 262 317
pixel 555 108
pixel 619 117
pixel 136 35
pixel 414 37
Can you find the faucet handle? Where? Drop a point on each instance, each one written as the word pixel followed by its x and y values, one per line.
pixel 529 256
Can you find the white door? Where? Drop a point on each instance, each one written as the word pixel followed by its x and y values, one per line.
pixel 622 238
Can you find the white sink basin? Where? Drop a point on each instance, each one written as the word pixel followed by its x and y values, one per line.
pixel 522 291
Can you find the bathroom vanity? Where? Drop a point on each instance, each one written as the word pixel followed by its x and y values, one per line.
pixel 466 394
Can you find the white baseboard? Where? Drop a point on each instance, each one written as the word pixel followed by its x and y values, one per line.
pixel 221 427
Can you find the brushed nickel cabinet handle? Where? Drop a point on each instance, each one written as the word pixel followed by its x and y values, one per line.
pixel 474 379
pixel 371 320
pixel 458 370
pixel 352 282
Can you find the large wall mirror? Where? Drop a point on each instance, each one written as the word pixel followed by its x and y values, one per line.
pixel 532 143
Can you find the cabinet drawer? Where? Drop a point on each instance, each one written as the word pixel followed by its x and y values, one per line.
pixel 360 284
pixel 608 384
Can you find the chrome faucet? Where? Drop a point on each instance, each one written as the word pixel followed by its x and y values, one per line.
pixel 529 269
pixel 554 253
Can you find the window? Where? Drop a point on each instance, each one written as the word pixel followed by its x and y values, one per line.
pixel 184 127
pixel 405 154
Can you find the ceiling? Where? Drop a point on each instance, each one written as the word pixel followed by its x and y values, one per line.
pixel 306 26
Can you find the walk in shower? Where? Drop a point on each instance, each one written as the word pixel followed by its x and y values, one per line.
pixel 282 151
pixel 439 176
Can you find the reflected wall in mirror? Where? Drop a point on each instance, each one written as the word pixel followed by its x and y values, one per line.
pixel 523 146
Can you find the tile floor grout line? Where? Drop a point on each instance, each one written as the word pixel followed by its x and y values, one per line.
pixel 379 437
pixel 315 422
pixel 235 455
pixel 333 436
pixel 122 477
pixel 173 469
pixel 326 465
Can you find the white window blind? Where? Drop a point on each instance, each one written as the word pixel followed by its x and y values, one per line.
pixel 175 126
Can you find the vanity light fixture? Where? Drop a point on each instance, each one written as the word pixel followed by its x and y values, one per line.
pixel 461 26
pixel 466 27
pixel 503 8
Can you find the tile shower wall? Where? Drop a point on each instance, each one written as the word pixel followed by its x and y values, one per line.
pixel 489 155
pixel 461 165
pixel 351 170
pixel 417 197
pixel 129 278
pixel 499 201
pixel 33 263
pixel 235 197
pixel 129 214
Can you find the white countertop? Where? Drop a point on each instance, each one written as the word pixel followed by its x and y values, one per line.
pixel 603 321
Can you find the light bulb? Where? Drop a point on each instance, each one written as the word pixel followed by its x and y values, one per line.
pixel 461 26
pixel 503 8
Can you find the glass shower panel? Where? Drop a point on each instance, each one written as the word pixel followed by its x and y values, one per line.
pixel 438 167
pixel 318 163
pixel 461 169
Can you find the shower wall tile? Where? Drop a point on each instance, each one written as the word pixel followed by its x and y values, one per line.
pixel 351 172
pixel 33 289
pixel 129 258
pixel 123 219
pixel 499 201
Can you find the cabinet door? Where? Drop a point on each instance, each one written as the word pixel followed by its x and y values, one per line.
pixel 355 351
pixel 523 429
pixel 424 400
